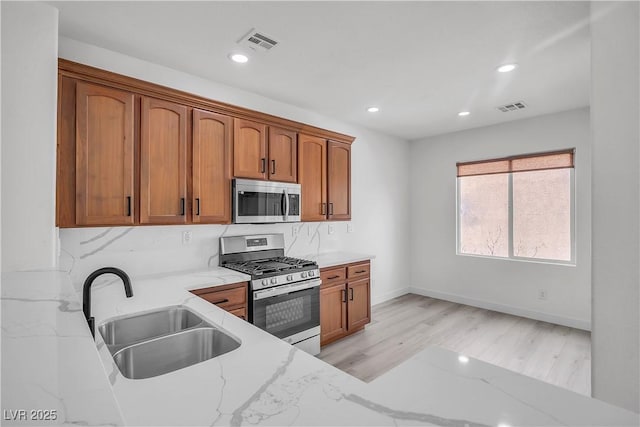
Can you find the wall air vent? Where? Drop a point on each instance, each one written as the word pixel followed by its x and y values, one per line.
pixel 512 107
pixel 257 40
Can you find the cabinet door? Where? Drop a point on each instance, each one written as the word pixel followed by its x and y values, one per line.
pixel 339 177
pixel 211 181
pixel 333 313
pixel 163 162
pixel 249 149
pixel 283 155
pixel 312 176
pixel 104 155
pixel 359 311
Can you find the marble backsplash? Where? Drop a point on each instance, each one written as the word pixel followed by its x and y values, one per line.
pixel 149 250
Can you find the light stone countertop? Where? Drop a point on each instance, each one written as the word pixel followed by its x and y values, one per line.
pixel 263 382
pixel 330 259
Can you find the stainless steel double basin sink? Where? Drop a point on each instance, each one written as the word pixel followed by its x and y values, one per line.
pixel 158 342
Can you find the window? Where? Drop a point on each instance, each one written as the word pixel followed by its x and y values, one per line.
pixel 519 207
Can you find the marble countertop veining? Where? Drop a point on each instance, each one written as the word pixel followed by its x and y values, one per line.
pixel 267 382
pixel 49 361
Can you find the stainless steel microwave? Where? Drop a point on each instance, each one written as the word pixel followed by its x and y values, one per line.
pixel 257 202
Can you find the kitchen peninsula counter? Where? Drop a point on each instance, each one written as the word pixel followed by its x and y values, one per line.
pixel 263 382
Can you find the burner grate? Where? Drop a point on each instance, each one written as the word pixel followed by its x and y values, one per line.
pixel 270 265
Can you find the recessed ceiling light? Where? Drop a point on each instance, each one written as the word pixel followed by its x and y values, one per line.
pixel 506 68
pixel 463 359
pixel 238 57
pixel 463 113
pixel 373 109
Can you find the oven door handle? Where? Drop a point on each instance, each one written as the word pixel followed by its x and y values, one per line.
pixel 286 289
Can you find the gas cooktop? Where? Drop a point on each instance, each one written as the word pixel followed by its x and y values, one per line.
pixel 270 266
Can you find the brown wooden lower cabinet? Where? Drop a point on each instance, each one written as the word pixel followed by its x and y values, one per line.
pixel 232 298
pixel 345 301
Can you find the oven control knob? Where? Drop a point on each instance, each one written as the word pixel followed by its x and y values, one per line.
pixel 264 282
pixel 311 273
pixel 290 277
pixel 274 281
pixel 303 274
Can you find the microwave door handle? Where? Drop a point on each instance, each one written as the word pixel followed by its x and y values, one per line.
pixel 286 205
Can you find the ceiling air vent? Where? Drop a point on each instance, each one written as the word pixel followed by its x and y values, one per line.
pixel 512 107
pixel 257 40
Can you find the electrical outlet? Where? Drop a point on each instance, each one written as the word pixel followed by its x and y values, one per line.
pixel 294 230
pixel 330 228
pixel 186 237
pixel 542 294
pixel 349 228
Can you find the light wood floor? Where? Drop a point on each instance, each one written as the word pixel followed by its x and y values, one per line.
pixel 405 325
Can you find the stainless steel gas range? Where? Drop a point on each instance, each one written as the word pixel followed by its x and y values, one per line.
pixel 284 292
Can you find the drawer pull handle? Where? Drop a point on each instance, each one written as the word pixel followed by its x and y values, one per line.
pixel 361 271
pixel 222 301
pixel 332 277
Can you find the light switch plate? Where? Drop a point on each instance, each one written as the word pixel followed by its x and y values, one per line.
pixel 349 228
pixel 330 228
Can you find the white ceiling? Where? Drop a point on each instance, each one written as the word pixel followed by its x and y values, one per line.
pixel 420 62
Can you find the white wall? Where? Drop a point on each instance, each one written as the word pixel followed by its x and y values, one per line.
pixel 379 196
pixel 615 116
pixel 29 91
pixel 503 285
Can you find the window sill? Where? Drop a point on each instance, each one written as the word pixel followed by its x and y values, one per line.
pixel 526 260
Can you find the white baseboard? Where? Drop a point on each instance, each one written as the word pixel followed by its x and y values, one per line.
pixel 377 299
pixel 516 311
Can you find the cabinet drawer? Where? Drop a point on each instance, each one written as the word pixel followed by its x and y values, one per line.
pixel 224 298
pixel 358 271
pixel 240 312
pixel 333 275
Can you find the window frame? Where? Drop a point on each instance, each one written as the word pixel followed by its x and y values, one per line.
pixel 511 256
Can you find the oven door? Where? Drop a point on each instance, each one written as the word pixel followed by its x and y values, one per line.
pixel 265 202
pixel 287 310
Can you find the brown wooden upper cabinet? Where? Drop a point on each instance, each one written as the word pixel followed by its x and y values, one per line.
pixel 163 162
pixel 104 156
pixel 211 178
pixel 312 166
pixel 262 152
pixel 131 152
pixel 325 176
pixel 283 155
pixel 339 181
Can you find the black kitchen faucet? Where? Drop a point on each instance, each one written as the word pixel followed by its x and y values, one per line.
pixel 86 291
